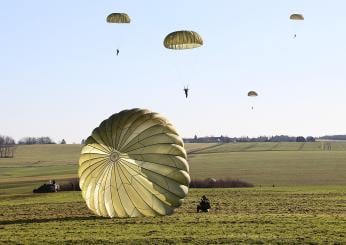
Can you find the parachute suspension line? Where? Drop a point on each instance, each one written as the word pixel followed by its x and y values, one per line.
pixel 296 17
pixel 252 94
pixel 181 40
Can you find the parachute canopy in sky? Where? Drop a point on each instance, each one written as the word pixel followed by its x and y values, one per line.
pixel 297 17
pixel 252 94
pixel 183 40
pixel 134 164
pixel 120 18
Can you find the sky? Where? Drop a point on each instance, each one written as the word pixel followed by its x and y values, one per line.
pixel 60 76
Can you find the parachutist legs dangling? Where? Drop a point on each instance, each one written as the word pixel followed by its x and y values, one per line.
pixel 186 90
pixel 181 40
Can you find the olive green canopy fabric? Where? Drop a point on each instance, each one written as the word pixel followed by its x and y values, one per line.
pixel 297 17
pixel 134 164
pixel 252 94
pixel 212 180
pixel 183 40
pixel 120 18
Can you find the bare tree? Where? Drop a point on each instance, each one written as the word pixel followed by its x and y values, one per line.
pixel 7 147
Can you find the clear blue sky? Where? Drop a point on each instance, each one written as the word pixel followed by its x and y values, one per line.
pixel 60 77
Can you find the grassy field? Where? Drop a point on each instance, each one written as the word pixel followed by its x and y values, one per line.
pixel 281 164
pixel 306 206
pixel 35 164
pixel 272 146
pixel 273 167
pixel 290 215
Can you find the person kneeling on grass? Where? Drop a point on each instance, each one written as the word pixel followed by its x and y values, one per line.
pixel 204 205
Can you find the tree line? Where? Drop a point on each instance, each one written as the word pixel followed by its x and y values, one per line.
pixel 35 140
pixel 6 140
pixel 226 139
pixel 7 147
pixel 333 137
pixel 8 144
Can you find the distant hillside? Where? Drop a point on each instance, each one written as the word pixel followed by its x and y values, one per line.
pixel 259 163
pixel 226 139
pixel 333 137
pixel 275 138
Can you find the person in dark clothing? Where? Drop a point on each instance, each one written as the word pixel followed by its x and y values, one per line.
pixel 52 186
pixel 186 90
pixel 118 52
pixel 204 205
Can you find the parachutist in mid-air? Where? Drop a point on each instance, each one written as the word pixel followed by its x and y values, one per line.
pixel 186 90
pixel 252 94
pixel 117 52
pixel 296 17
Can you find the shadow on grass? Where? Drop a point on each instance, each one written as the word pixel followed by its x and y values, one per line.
pixel 30 221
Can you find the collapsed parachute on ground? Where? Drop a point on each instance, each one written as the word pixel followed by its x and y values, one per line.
pixel 252 94
pixel 183 40
pixel 297 17
pixel 120 18
pixel 134 164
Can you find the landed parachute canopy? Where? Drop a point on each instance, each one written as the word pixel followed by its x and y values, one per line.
pixel 183 40
pixel 297 17
pixel 252 94
pixel 134 164
pixel 118 18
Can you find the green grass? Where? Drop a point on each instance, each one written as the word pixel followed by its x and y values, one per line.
pixel 283 164
pixel 198 146
pixel 271 146
pixel 36 160
pixel 273 167
pixel 306 206
pixel 289 215
pixel 34 164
